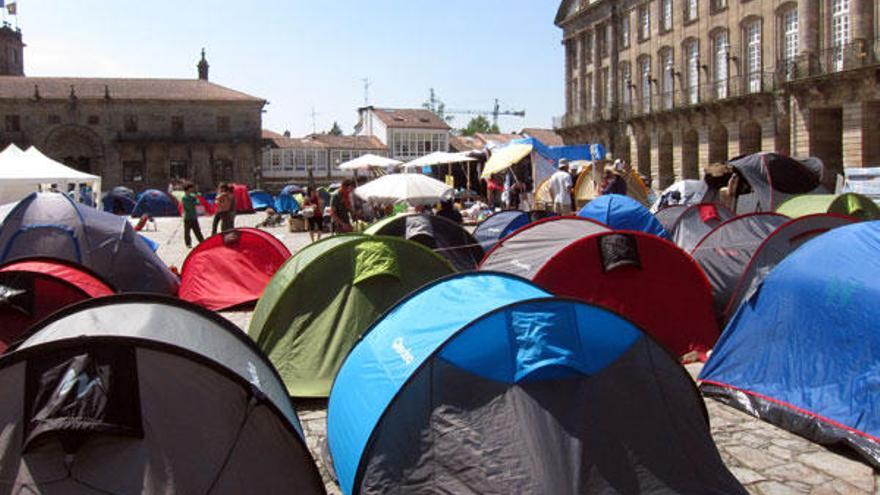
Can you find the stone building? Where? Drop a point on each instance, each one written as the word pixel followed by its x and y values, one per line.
pixel 139 133
pixel 672 85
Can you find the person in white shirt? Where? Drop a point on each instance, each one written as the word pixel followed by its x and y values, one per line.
pixel 560 188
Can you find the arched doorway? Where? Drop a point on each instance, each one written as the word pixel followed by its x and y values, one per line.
pixel 623 149
pixel 643 156
pixel 749 138
pixel 717 144
pixel 667 172
pixel 76 147
pixel 690 149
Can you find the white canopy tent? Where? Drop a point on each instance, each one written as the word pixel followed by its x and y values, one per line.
pixel 24 172
pixel 415 189
pixel 368 161
pixel 438 158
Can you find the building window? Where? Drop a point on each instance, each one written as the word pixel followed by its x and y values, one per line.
pixel 666 65
pixel 644 22
pixel 131 123
pixel 840 32
pixel 645 83
pixel 625 83
pixel 223 123
pixel 691 10
pixel 177 125
pixel 721 53
pixel 94 120
pixel 666 16
pixel 13 123
pixel 133 171
pixel 54 119
pixel 223 171
pixel 752 36
pixel 692 54
pixel 178 169
pixel 624 31
pixel 717 5
pixel 587 47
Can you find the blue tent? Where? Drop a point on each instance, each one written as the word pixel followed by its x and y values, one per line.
pixel 155 203
pixel 54 226
pixel 285 202
pixel 515 391
pixel 571 152
pixel 622 213
pixel 261 199
pixel 119 200
pixel 802 352
pixel 497 226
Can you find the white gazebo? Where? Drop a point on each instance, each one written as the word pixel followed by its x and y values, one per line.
pixel 24 172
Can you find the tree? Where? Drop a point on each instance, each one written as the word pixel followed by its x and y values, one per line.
pixel 335 130
pixel 480 124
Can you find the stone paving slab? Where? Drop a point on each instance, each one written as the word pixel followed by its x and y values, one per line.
pixel 766 459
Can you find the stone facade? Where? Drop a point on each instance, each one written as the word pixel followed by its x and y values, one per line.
pixel 139 133
pixel 672 85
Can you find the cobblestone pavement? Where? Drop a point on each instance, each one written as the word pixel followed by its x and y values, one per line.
pixel 766 459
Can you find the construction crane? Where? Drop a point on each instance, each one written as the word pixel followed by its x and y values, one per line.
pixel 438 107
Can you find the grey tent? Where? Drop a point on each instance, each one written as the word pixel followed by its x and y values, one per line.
pixel 54 226
pixel 145 394
pixel 697 221
pixel 668 215
pixel 776 247
pixel 772 178
pixel 724 253
pixel 525 251
pixel 441 235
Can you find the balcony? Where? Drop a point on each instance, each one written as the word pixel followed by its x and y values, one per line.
pixel 853 55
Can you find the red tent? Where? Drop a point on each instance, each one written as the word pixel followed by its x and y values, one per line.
pixel 31 289
pixel 242 198
pixel 231 268
pixel 643 278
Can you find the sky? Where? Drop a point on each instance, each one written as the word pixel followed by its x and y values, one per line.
pixel 302 55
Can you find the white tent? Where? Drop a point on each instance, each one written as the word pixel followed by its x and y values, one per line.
pixel 368 161
pixel 438 158
pixel 24 172
pixel 415 189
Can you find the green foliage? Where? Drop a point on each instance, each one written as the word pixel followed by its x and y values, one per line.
pixel 480 124
pixel 335 130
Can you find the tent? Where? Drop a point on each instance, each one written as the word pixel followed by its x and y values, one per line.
pixel 544 159
pixel 438 158
pixel 513 391
pixel 261 199
pixel 642 277
pixel 285 202
pixel 779 244
pixel 668 215
pixel 24 172
pixel 772 178
pixel 684 192
pixel 415 189
pixel 242 199
pixel 144 394
pixel 318 304
pixel 849 204
pixel 801 352
pixel 33 288
pixel 697 221
pixel 119 200
pixel 443 236
pixel 586 187
pixel 52 225
pixel 622 213
pixel 156 203
pixel 525 250
pixel 231 268
pixel 498 225
pixel 724 253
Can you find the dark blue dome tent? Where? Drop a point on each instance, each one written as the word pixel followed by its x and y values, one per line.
pixel 54 226
pixel 261 199
pixel 147 394
pixel 622 213
pixel 155 203
pixel 513 391
pixel 498 225
pixel 801 352
pixel 120 200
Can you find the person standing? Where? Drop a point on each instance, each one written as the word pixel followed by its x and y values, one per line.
pixel 561 188
pixel 340 207
pixel 190 216
pixel 222 214
pixel 313 212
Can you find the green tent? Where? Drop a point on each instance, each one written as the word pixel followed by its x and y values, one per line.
pixel 849 204
pixel 317 305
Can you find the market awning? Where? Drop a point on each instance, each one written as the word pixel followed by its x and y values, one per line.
pixel 504 158
pixel 439 158
pixel 368 161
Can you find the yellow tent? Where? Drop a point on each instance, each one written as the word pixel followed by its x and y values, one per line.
pixel 504 158
pixel 586 187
